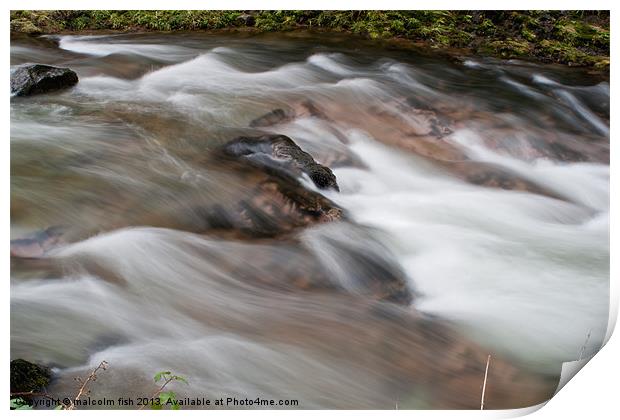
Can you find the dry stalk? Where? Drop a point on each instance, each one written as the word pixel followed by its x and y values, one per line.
pixel 484 384
pixel 91 377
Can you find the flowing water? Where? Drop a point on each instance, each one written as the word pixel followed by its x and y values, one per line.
pixel 482 184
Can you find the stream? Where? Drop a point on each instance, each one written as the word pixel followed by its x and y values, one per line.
pixel 480 186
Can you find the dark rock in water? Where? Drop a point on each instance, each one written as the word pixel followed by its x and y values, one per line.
pixel 36 245
pixel 364 264
pixel 28 377
pixel 313 110
pixel 420 103
pixel 294 268
pixel 274 202
pixel 30 79
pixel 279 154
pixel 120 65
pixel 565 153
pixel 380 279
pixel 494 176
pixel 274 206
pixel 274 117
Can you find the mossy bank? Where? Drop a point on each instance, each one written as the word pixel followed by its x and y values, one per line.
pixel 578 38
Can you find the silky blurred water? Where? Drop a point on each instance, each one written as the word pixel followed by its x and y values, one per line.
pixel 120 160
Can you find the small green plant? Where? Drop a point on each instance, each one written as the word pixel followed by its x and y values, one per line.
pixel 20 404
pixel 162 398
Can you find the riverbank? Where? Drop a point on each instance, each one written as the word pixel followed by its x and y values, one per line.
pixel 575 38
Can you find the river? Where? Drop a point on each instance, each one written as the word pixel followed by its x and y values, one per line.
pixel 482 184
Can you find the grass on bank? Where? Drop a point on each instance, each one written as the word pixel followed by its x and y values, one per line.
pixel 569 37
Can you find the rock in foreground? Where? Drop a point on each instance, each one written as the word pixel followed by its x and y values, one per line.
pixel 31 79
pixel 28 377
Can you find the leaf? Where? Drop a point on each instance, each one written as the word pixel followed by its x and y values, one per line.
pixel 165 397
pixel 20 404
pixel 158 375
pixel 58 407
pixel 181 379
pixel 155 406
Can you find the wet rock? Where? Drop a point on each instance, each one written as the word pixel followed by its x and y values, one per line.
pixel 419 103
pixel 425 361
pixel 273 206
pixel 28 377
pixel 425 130
pixel 565 153
pixel 263 197
pixel 119 65
pixel 454 366
pixel 381 279
pixel 283 266
pixel 31 79
pixel 277 116
pixel 420 131
pixel 548 141
pixel 332 156
pixel 320 259
pixel 335 158
pixel 495 176
pixel 246 19
pixel 279 154
pixel 38 243
pixel 313 110
pixel 354 259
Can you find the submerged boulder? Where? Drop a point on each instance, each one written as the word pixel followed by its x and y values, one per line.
pixel 271 206
pixel 280 155
pixel 274 117
pixel 38 243
pixel 30 79
pixel 28 377
pixel 355 259
pixel 265 197
pixel 494 176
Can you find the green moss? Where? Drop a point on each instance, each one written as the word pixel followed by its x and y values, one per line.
pixel 528 35
pixel 487 27
pixel 157 20
pixel 571 37
pixel 26 376
pixel 559 51
pixel 25 26
pixel 581 34
pixel 510 48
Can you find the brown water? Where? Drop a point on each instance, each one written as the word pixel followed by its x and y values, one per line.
pixel 482 185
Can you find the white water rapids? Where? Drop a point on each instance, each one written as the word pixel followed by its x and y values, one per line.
pixel 523 274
